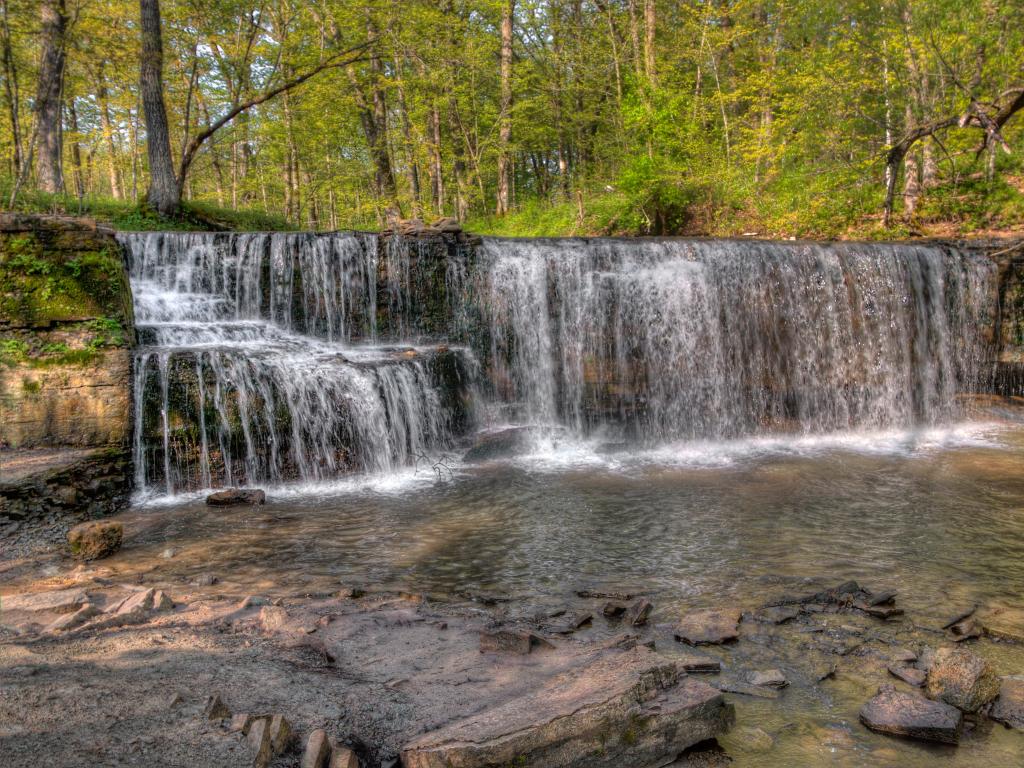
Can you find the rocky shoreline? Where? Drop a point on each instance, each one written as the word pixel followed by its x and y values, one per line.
pixel 137 669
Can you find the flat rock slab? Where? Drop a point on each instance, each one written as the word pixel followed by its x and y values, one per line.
pixel 904 714
pixel 962 678
pixel 708 627
pixel 909 675
pixel 1009 707
pixel 59 601
pixel 625 707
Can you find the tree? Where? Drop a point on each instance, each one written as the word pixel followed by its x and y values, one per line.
pixel 49 96
pixel 508 9
pixel 164 188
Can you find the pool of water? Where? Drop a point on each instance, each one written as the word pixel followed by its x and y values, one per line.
pixel 937 515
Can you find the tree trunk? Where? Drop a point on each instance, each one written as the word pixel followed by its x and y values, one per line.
pixel 49 173
pixel 649 22
pixel 108 136
pixel 505 127
pixel 164 191
pixel 11 90
pixel 911 182
pixel 76 151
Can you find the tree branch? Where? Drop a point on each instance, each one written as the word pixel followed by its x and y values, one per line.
pixel 335 61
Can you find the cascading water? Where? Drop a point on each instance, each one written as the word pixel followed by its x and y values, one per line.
pixel 247 373
pixel 261 357
pixel 676 339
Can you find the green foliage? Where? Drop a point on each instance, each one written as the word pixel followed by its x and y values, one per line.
pixel 767 116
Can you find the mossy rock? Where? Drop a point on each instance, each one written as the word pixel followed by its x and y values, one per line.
pixel 95 539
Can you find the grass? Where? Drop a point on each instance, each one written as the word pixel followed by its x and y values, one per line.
pixel 127 216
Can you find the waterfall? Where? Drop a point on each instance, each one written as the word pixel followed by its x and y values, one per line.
pixel 256 363
pixel 274 358
pixel 678 339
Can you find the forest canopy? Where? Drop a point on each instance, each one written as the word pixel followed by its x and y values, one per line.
pixel 780 117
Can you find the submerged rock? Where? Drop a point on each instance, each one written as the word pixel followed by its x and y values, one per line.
pixel 1009 707
pixel 962 678
pixel 638 612
pixel 905 714
pixel 623 708
pixel 709 627
pixel 237 496
pixel 95 539
pixel 58 601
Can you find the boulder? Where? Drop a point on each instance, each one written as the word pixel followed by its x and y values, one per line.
pixel 1009 707
pixel 95 539
pixel 709 627
pixel 623 708
pixel 962 678
pixel 237 496
pixel 905 714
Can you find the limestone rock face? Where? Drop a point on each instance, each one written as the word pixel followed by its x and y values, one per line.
pixel 962 678
pixel 96 539
pixel 627 707
pixel 904 714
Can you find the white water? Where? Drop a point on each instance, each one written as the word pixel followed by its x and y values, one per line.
pixel 676 339
pixel 264 403
pixel 262 357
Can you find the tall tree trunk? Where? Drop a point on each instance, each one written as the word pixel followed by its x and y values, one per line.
pixel 106 125
pixel 11 90
pixel 649 22
pixel 49 173
pixel 164 191
pixel 76 151
pixel 410 147
pixel 436 166
pixel 911 182
pixel 505 127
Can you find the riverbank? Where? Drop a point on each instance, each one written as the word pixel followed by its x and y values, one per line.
pixel 362 609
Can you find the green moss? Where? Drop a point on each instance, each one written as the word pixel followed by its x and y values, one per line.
pixel 31 386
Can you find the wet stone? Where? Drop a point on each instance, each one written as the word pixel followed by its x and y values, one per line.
pixel 778 614
pixel 638 612
pixel 959 615
pixel 708 627
pixel 962 679
pixel 905 714
pixel 614 609
pixel 1008 709
pixel 770 678
pixel 698 664
pixel 909 675
pixel 882 598
pixel 236 497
